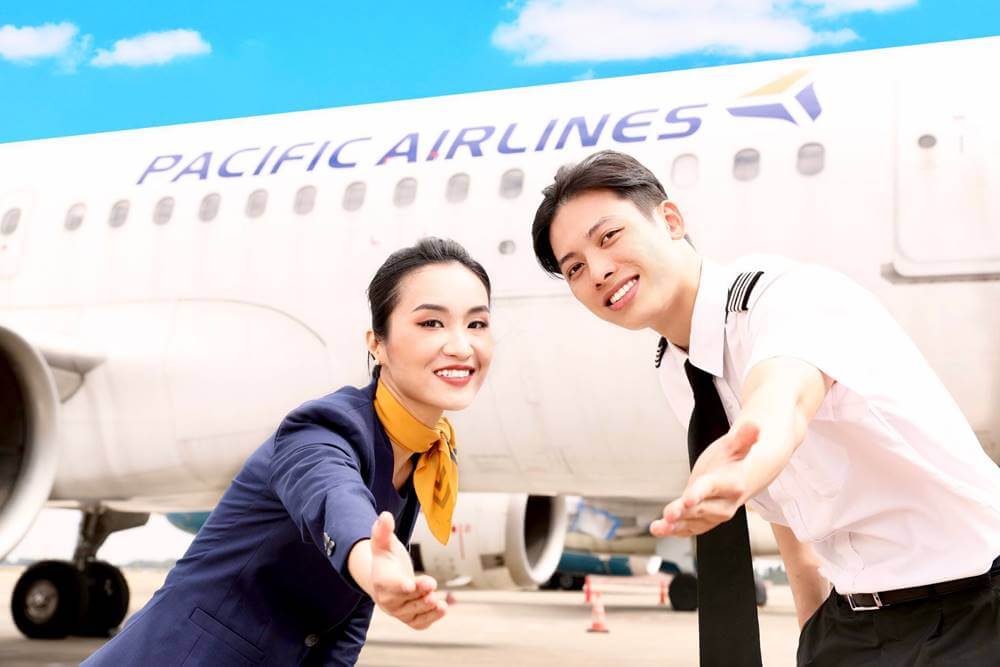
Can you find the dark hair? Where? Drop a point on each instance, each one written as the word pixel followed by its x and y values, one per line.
pixel 616 172
pixel 383 290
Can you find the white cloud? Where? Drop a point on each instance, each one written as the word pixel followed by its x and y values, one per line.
pixel 595 30
pixel 30 43
pixel 837 7
pixel 585 76
pixel 153 48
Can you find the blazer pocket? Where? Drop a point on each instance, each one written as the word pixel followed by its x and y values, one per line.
pixel 217 630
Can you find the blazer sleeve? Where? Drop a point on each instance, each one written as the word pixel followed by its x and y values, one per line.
pixel 317 476
pixel 349 637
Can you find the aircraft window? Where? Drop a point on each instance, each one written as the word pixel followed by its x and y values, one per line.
pixel 305 200
pixel 10 221
pixel 256 203
pixel 119 213
pixel 354 196
pixel 927 141
pixel 511 183
pixel 812 158
pixel 507 247
pixel 405 193
pixel 74 216
pixel 684 172
pixel 209 207
pixel 458 188
pixel 746 164
pixel 164 211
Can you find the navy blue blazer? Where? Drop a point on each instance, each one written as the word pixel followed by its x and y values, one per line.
pixel 265 581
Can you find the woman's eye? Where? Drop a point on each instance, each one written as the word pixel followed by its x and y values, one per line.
pixel 609 235
pixel 572 270
pixel 479 324
pixel 432 324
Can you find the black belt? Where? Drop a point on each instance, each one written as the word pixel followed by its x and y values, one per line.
pixel 872 601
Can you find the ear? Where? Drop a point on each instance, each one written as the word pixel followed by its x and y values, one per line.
pixel 673 219
pixel 374 345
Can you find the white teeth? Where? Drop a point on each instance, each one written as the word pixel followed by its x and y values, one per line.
pixel 622 291
pixel 450 373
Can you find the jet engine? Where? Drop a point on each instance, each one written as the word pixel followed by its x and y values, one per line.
pixel 29 405
pixel 498 541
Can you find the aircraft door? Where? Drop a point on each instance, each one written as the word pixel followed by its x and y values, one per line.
pixel 948 171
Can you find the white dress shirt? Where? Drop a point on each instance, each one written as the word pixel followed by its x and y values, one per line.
pixel 890 484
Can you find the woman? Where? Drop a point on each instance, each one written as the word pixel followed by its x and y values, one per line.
pixel 312 532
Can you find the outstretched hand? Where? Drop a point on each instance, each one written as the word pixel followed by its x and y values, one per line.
pixel 715 490
pixel 396 590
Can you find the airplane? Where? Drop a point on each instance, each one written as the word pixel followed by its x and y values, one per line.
pixel 168 294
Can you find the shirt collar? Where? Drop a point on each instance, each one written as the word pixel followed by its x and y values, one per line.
pixel 708 320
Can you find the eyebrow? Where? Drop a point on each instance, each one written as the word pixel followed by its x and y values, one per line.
pixel 590 232
pixel 441 309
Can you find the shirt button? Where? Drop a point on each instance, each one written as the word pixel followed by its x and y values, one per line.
pixel 312 640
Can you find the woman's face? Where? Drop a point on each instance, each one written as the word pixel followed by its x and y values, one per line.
pixel 438 345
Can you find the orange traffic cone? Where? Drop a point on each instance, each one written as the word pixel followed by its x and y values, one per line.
pixel 586 590
pixel 663 590
pixel 598 622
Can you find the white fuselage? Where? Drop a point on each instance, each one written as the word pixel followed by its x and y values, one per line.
pixel 208 332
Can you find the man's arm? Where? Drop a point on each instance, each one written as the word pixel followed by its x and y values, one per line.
pixel 780 397
pixel 809 587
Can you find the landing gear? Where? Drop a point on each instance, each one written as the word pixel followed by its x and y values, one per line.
pixel 86 597
pixel 683 592
pixel 107 599
pixel 48 599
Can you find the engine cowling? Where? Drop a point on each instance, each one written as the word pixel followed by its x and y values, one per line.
pixel 498 541
pixel 29 409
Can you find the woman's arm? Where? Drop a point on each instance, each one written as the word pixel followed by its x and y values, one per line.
pixel 382 568
pixel 809 587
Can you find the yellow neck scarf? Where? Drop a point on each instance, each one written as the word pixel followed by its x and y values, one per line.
pixel 435 478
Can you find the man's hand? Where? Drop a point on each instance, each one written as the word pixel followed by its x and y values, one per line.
pixel 716 489
pixel 395 589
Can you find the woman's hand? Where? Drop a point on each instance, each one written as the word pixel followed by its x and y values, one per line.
pixel 394 587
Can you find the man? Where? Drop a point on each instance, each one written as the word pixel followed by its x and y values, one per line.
pixel 838 431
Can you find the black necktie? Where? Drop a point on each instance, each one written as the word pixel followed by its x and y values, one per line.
pixel 728 634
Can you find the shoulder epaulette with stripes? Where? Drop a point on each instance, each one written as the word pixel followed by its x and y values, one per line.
pixel 739 292
pixel 661 347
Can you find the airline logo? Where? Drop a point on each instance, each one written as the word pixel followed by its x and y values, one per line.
pixel 789 98
pixel 762 102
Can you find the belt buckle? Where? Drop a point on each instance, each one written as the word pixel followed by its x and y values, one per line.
pixel 858 606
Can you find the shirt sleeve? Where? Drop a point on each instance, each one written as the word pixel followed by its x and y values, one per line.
pixel 826 320
pixel 317 476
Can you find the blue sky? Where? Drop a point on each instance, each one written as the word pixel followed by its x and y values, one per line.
pixel 73 68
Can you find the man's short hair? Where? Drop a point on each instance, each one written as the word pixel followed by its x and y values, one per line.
pixel 618 173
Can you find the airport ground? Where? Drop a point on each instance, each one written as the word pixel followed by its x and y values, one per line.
pixel 526 629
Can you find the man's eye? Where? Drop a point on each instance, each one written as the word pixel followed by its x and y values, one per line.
pixel 431 324
pixel 609 234
pixel 573 269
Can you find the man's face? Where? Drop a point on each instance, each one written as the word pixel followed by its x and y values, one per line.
pixel 623 266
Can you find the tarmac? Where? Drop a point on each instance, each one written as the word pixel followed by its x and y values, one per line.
pixel 510 628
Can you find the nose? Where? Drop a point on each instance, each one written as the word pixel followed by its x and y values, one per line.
pixel 602 272
pixel 458 345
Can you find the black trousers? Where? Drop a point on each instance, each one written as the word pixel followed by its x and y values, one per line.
pixel 957 629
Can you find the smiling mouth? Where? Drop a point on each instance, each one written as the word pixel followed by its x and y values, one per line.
pixel 454 373
pixel 622 291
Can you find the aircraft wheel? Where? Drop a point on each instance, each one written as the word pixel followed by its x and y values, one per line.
pixel 761 591
pixel 48 599
pixel 108 598
pixel 683 592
